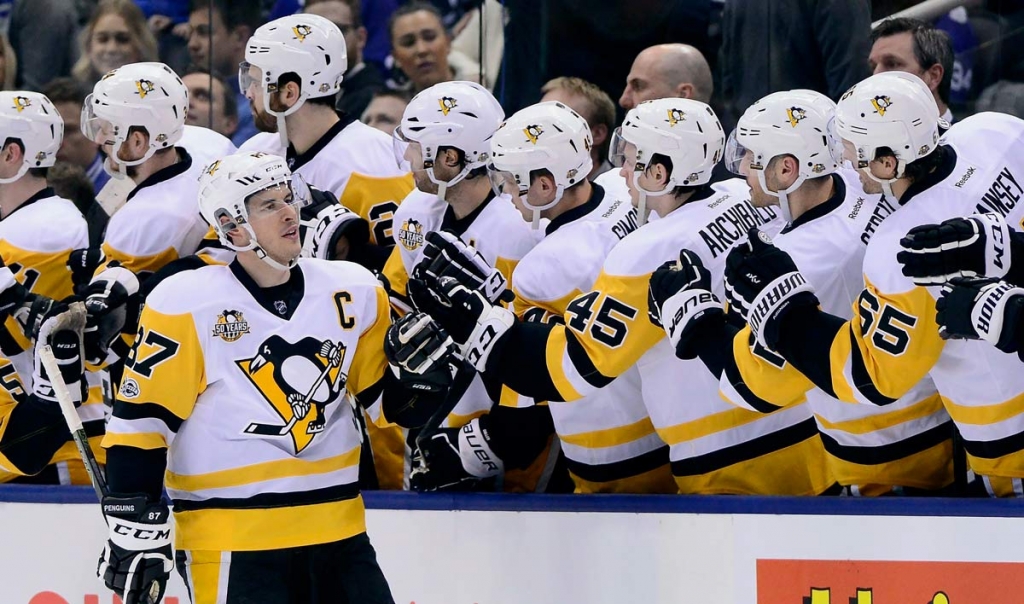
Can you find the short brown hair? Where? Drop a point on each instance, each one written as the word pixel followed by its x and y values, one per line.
pixel 142 39
pixel 602 108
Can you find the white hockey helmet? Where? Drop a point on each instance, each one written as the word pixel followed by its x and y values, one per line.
pixel 684 130
pixel 226 184
pixel 137 95
pixel 310 46
pixel 462 115
pixel 894 110
pixel 800 123
pixel 32 119
pixel 547 136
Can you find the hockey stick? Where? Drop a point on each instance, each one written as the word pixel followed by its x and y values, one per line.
pixel 74 422
pixel 464 374
pixel 272 430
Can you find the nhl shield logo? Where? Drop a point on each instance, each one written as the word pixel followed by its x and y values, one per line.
pixel 298 380
pixel 230 326
pixel 411 235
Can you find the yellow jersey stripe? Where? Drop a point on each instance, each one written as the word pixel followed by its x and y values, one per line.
pixel 611 437
pixel 260 472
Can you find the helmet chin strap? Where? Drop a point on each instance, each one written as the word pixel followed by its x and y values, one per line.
pixel 641 206
pixel 443 185
pixel 887 182
pixel 121 172
pixel 21 172
pixel 535 223
pixel 254 246
pixel 282 130
pixel 782 196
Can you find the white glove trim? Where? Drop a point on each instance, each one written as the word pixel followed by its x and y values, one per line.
pixel 478 459
pixel 988 312
pixel 684 307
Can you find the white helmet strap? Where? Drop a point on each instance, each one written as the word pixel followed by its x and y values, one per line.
pixel 535 223
pixel 442 185
pixel 253 246
pixel 21 172
pixel 886 183
pixel 783 195
pixel 641 206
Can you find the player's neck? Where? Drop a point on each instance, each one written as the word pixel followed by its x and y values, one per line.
pixel 900 187
pixel 151 166
pixel 261 272
pixel 466 196
pixel 13 195
pixel 663 205
pixel 308 125
pixel 810 195
pixel 571 198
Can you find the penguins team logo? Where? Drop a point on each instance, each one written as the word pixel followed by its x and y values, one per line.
pixel 212 168
pixel 881 104
pixel 675 116
pixel 230 326
pixel 143 87
pixel 533 133
pixel 447 103
pixel 21 102
pixel 411 234
pixel 298 381
pixel 795 114
pixel 301 31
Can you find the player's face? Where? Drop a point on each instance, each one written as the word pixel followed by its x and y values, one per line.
pixel 758 196
pixel 110 45
pixel 275 220
pixel 413 156
pixel 626 171
pixel 264 121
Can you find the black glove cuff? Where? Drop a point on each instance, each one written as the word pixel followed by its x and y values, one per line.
pixel 798 304
pixel 1014 325
pixel 1016 273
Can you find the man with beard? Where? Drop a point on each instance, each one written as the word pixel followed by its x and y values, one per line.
pixel 291 76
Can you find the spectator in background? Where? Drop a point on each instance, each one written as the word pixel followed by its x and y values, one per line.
pixel 361 81
pixel 43 34
pixel 667 70
pixel 8 64
pixel 385 111
pixel 71 182
pixel 68 96
pixel 220 29
pixel 117 34
pixel 915 47
pixel 421 47
pixel 595 106
pixel 211 103
pixel 773 45
pixel 376 16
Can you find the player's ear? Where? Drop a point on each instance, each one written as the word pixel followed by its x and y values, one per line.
pixel 137 141
pixel 290 93
pixel 11 152
pixel 450 157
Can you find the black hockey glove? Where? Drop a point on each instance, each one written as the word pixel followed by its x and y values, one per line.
pixel 679 298
pixel 454 459
pixel 112 301
pixel 420 353
pixel 30 314
pixel 445 255
pixel 986 309
pixel 325 222
pixel 12 293
pixel 83 264
pixel 473 322
pixel 61 330
pixel 763 283
pixel 975 246
pixel 137 560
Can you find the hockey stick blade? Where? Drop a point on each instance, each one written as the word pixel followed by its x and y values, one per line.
pixel 67 409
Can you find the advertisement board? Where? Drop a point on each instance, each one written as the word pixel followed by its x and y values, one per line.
pixel 490 549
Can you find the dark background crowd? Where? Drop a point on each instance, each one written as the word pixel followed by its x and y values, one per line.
pixel 587 53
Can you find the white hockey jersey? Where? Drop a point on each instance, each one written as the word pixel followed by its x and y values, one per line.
pixel 906 443
pixel 246 388
pixel 714 446
pixel 607 437
pixel 160 221
pixel 880 355
pixel 35 242
pixel 206 146
pixel 357 164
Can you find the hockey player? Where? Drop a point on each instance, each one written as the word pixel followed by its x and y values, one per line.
pixel 445 138
pixel 669 148
pixel 786 148
pixel 889 127
pixel 237 389
pixel 37 232
pixel 292 74
pixel 542 153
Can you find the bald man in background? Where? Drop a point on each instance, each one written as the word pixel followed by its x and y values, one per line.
pixel 667 70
